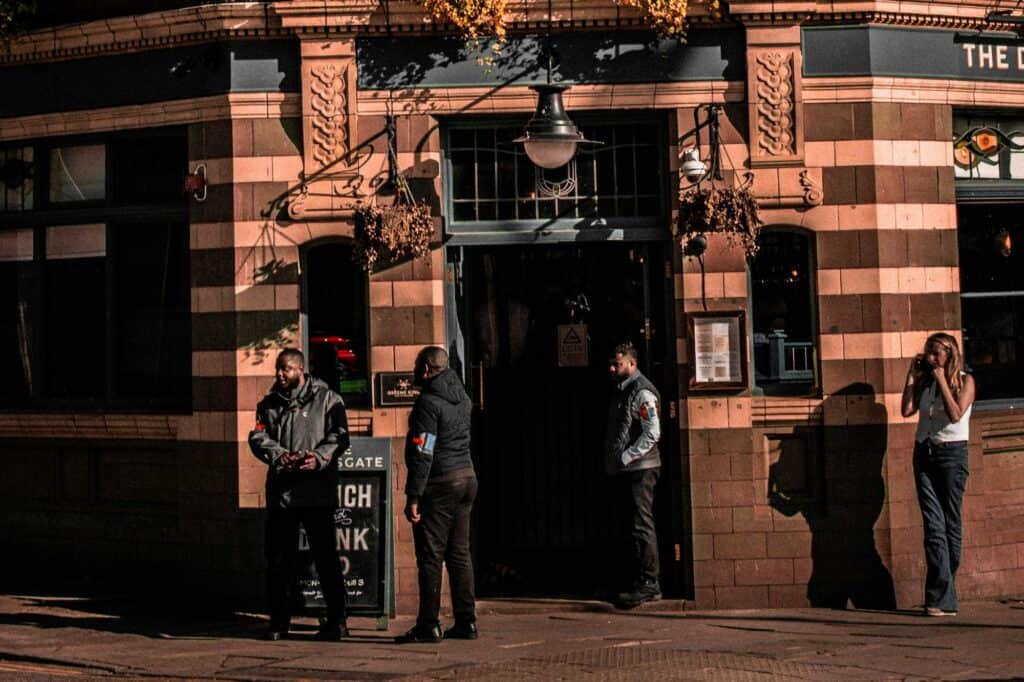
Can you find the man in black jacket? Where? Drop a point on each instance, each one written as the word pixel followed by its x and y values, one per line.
pixel 440 491
pixel 301 428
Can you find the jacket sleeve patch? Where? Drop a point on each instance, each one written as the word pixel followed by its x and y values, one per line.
pixel 649 411
pixel 425 443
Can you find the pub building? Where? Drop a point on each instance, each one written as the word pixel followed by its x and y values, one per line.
pixel 178 201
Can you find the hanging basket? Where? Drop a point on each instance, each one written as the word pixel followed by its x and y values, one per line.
pixel 386 235
pixel 730 211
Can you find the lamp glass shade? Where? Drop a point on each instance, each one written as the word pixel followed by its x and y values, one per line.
pixel 550 153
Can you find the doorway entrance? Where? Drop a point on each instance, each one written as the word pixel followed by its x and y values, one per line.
pixel 534 328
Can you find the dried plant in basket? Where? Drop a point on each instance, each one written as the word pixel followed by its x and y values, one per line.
pixel 385 235
pixel 732 211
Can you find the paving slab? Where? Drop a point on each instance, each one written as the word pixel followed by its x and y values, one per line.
pixel 43 637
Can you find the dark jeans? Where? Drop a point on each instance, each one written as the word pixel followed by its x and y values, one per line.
pixel 442 535
pixel 282 549
pixel 638 491
pixel 940 473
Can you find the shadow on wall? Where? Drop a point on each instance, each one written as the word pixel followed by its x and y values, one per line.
pixel 832 475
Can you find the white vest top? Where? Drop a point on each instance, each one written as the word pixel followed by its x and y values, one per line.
pixel 934 424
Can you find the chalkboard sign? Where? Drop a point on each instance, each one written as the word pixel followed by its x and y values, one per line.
pixel 396 389
pixel 363 529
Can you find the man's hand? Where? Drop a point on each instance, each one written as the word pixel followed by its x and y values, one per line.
pixel 308 461
pixel 412 511
pixel 289 461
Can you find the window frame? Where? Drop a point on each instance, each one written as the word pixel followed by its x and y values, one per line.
pixel 478 232
pixel 46 214
pixel 817 388
pixel 975 191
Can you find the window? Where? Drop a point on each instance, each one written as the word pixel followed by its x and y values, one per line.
pixel 992 296
pixel 335 301
pixel 618 183
pixel 78 173
pixel 783 318
pixel 16 176
pixel 94 279
pixel 989 156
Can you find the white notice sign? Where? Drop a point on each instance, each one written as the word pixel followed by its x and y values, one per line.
pixel 717 350
pixel 572 345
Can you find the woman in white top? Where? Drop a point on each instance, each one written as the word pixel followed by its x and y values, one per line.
pixel 942 393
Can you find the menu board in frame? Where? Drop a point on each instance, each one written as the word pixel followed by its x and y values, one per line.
pixel 717 350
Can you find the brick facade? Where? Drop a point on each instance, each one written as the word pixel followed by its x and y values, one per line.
pixel 127 494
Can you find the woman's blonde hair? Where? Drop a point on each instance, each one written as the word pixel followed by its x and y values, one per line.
pixel 955 364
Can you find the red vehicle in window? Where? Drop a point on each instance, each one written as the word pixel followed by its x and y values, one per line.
pixel 333 360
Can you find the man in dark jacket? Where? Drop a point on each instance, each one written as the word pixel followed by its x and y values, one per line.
pixel 631 455
pixel 440 491
pixel 301 428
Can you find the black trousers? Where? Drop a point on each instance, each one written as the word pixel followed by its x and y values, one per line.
pixel 637 494
pixel 442 535
pixel 282 550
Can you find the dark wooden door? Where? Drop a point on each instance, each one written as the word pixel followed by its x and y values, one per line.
pixel 546 520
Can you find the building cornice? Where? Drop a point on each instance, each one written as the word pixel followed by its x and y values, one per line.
pixel 328 18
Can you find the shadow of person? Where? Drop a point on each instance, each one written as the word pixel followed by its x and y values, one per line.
pixel 832 475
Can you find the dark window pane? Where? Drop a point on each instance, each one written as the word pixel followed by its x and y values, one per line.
pixel 506 176
pixel 17 339
pixel 78 173
pixel 506 210
pixel 527 210
pixel 485 175
pixel 152 341
pixel 994 345
pixel 463 186
pixel 991 247
pixel 465 210
pixel 75 338
pixel 462 138
pixel 164 160
pixel 486 210
pixel 782 317
pixel 338 342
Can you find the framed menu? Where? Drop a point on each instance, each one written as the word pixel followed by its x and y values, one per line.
pixel 717 349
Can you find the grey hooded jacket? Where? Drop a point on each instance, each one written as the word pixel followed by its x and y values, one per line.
pixel 312 419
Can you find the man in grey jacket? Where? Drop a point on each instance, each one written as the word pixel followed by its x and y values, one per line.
pixel 301 428
pixel 631 455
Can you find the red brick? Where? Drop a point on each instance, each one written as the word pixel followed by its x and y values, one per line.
pixel 745 597
pixel 712 520
pixel 703 546
pixel 733 493
pixel 789 545
pixel 788 597
pixel 713 572
pixel 739 546
pixel 752 519
pixel 764 572
pixel 711 468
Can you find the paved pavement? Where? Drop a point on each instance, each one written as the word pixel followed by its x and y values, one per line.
pixel 45 637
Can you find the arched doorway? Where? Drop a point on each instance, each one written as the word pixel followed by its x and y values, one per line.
pixel 334 319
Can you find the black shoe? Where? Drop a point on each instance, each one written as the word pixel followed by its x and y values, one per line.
pixel 461 631
pixel 275 635
pixel 644 592
pixel 331 632
pixel 420 635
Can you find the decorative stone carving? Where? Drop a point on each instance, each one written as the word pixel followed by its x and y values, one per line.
pixel 813 192
pixel 333 168
pixel 776 128
pixel 775 98
pixel 330 125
